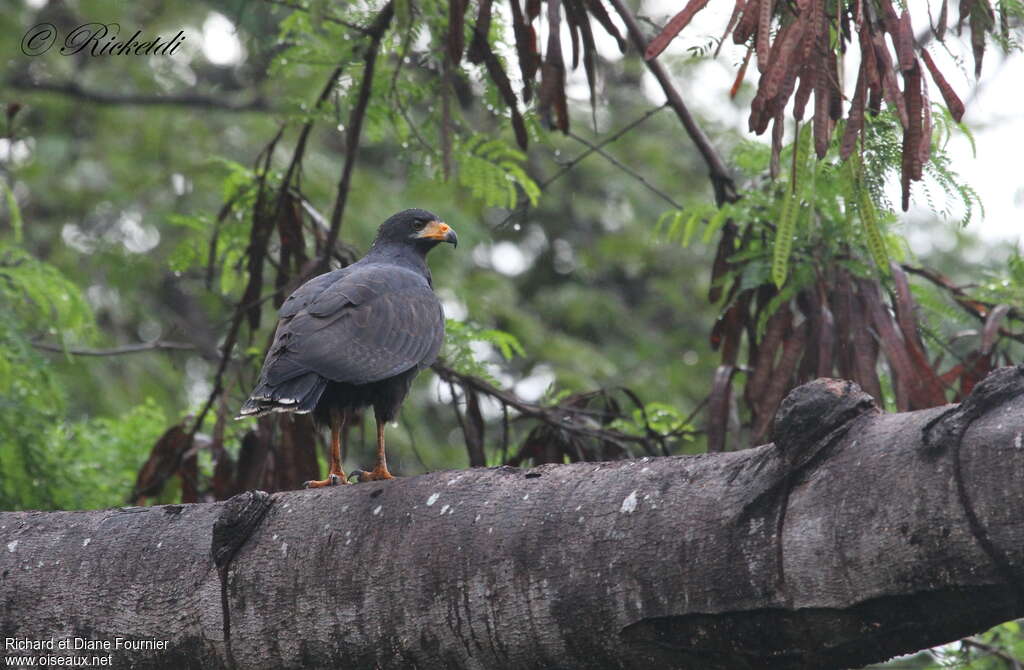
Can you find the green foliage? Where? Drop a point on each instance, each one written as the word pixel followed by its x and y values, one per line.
pixel 682 224
pixel 37 302
pixel 792 203
pixel 228 234
pixel 998 648
pixel 39 298
pixel 860 200
pixel 31 402
pixel 99 457
pixel 13 211
pixel 491 170
pixel 660 417
pixel 938 310
pixel 1005 285
pixel 46 462
pixel 800 279
pixel 310 40
pixel 825 211
pixel 458 351
pixel 1011 12
pixel 940 170
pixel 406 106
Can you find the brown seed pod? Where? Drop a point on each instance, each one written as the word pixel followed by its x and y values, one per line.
pixel 982 20
pixel 911 168
pixel 803 91
pixel 672 28
pixel 856 119
pixel 597 10
pixel 764 32
pixel 748 22
pixel 924 151
pixel 905 42
pixel 733 18
pixel 890 89
pixel 952 100
pixel 778 128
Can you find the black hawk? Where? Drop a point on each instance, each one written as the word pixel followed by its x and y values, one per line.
pixel 357 337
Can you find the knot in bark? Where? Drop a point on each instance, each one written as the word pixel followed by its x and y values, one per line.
pixel 239 518
pixel 947 429
pixel 815 410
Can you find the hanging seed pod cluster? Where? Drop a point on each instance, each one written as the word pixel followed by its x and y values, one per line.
pixel 552 103
pixel 796 47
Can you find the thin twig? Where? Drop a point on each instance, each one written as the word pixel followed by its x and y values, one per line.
pixel 412 442
pixel 355 126
pixel 594 148
pixel 211 253
pixel 455 407
pixel 262 227
pixel 300 145
pixel 572 163
pixel 504 433
pixel 993 650
pixel 196 100
pixel 345 253
pixel 446 117
pixel 117 351
pixel 326 17
pixel 721 177
pixel 976 308
pixel 554 416
pixel 628 170
pixel 241 308
pixel 218 378
pixel 393 93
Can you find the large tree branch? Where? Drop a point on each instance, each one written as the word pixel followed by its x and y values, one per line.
pixel 855 536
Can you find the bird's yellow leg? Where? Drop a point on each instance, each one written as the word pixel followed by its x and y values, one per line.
pixel 335 474
pixel 380 471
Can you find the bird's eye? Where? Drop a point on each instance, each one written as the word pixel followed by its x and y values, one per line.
pixel 419 225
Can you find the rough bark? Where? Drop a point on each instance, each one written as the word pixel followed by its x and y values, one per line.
pixel 855 536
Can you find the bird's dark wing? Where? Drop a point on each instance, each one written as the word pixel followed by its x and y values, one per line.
pixel 310 291
pixel 371 324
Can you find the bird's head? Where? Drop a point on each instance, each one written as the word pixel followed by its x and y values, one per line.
pixel 417 228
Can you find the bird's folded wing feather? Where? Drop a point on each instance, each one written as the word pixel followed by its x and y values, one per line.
pixel 310 291
pixel 364 327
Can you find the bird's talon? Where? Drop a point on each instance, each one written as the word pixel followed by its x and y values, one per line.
pixel 377 474
pixel 333 479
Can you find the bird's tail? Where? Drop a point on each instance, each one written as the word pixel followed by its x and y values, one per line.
pixel 298 394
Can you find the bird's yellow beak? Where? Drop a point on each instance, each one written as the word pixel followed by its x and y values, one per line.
pixel 439 230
